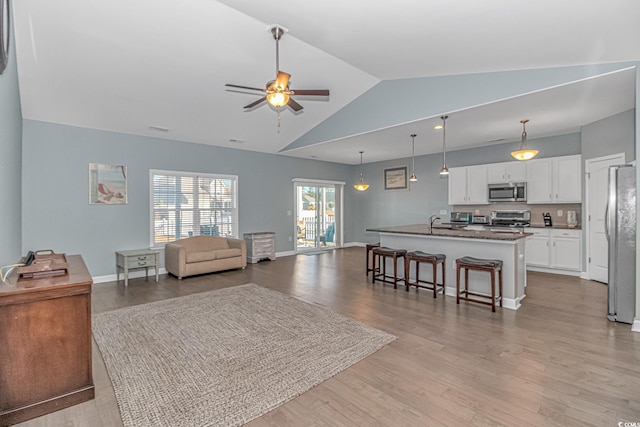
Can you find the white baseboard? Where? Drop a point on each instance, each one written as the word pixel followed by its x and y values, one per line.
pixel 132 275
pixel 285 253
pixel 351 244
pixel 509 303
pixel 555 271
pixel 585 275
pixel 635 327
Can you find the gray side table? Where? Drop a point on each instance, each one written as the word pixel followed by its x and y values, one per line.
pixel 134 259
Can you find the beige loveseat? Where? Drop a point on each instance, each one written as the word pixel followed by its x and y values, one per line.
pixel 204 254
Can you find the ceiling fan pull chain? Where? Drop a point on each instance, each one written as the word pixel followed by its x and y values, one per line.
pixel 278 119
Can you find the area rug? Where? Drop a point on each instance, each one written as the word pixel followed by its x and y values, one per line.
pixel 224 357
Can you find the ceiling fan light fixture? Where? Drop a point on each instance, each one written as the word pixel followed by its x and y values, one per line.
pixel 524 153
pixel 361 186
pixel 278 99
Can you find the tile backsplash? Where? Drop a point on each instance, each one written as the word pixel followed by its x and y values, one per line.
pixel 536 211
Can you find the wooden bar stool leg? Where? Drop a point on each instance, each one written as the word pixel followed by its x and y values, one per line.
pixel 435 278
pixel 493 290
pixel 417 275
pixel 367 262
pixel 407 275
pixel 457 283
pixel 443 273
pixel 500 284
pixel 395 272
pixel 376 259
pixel 466 281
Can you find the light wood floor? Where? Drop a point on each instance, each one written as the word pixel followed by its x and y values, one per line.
pixel 555 361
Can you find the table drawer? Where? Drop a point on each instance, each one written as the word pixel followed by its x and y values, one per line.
pixel 141 261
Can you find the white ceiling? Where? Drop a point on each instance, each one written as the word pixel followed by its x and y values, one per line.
pixel 127 66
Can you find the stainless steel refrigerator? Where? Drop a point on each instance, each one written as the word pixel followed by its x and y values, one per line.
pixel 620 225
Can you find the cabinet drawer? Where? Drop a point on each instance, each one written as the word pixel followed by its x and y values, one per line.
pixel 539 231
pixel 575 234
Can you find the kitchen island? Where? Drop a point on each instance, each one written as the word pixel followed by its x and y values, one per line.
pixel 507 246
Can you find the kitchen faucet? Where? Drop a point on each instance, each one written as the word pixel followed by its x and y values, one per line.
pixel 432 219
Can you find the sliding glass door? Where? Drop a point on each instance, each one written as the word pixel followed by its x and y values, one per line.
pixel 316 215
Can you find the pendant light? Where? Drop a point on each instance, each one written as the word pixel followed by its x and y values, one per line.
pixel 444 171
pixel 413 177
pixel 361 186
pixel 524 153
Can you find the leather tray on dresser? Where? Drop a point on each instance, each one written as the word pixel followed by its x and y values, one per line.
pixel 45 343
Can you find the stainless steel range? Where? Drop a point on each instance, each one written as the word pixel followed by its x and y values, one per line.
pixel 511 218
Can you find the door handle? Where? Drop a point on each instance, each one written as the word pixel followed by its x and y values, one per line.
pixel 606 221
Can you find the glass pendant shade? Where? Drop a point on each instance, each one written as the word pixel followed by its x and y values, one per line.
pixel 413 177
pixel 524 153
pixel 444 171
pixel 361 186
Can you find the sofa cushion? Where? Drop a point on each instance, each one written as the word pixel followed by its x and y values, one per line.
pixel 200 256
pixel 228 253
pixel 216 243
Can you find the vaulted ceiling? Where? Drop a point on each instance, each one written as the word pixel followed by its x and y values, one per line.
pixel 159 68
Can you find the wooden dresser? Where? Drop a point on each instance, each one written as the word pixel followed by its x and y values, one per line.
pixel 45 343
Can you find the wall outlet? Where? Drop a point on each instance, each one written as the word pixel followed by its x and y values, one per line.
pixel 560 212
pixel 288 213
pixel 290 238
pixel 477 212
pixel 443 211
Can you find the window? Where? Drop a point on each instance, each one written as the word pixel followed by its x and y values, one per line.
pixel 192 204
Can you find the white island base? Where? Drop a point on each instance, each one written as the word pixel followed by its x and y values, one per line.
pixel 510 252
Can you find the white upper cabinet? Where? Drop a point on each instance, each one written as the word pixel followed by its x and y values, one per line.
pixel 468 185
pixel 499 173
pixel 568 179
pixel 554 180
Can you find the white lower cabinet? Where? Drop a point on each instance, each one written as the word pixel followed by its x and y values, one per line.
pixel 554 249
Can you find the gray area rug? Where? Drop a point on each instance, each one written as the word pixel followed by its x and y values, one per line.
pixel 224 357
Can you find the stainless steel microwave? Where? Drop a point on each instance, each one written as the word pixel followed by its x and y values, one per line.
pixel 509 192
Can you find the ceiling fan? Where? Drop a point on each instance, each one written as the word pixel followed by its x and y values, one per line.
pixel 277 91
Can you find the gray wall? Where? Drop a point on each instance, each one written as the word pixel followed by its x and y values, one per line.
pixel 57 215
pixel 615 134
pixel 10 162
pixel 428 196
pixel 392 102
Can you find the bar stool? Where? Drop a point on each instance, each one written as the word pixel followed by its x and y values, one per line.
pixel 434 260
pixel 380 255
pixel 492 266
pixel 370 247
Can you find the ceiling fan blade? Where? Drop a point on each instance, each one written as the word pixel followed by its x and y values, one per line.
pixel 245 87
pixel 294 105
pixel 259 101
pixel 282 80
pixel 316 92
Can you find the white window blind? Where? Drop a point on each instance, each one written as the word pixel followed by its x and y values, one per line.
pixel 186 204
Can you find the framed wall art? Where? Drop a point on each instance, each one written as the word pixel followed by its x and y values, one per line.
pixel 107 184
pixel 396 178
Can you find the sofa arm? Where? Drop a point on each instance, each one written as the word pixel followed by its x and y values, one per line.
pixel 175 259
pixel 239 244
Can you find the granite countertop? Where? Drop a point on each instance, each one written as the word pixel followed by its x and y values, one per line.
pixel 444 231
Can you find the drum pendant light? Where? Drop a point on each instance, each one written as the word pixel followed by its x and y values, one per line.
pixel 361 186
pixel 524 153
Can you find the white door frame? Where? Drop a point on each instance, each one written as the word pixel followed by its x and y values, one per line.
pixel 587 164
pixel 339 188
